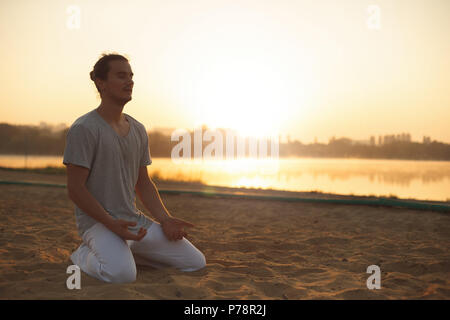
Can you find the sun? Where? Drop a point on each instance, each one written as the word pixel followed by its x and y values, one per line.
pixel 242 95
pixel 237 76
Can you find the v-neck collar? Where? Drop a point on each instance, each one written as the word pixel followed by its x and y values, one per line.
pixel 115 132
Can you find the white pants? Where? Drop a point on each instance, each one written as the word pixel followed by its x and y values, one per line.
pixel 105 256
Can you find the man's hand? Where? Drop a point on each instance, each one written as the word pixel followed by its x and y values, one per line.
pixel 174 228
pixel 120 227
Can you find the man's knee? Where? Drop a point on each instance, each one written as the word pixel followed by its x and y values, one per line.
pixel 123 273
pixel 201 263
pixel 197 263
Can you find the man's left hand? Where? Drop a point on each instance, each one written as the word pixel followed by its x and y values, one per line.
pixel 174 228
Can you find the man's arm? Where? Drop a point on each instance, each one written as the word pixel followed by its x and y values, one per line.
pixel 80 195
pixel 149 195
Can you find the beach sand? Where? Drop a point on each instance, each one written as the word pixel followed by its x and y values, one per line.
pixel 255 249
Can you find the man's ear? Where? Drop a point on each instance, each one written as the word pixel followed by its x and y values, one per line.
pixel 101 84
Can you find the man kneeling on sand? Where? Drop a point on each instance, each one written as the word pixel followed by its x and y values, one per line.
pixel 106 155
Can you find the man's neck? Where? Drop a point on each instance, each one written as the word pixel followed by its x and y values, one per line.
pixel 111 111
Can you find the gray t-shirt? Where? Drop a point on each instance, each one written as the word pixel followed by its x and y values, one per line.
pixel 114 163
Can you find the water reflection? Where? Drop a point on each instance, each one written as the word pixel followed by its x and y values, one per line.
pixel 406 179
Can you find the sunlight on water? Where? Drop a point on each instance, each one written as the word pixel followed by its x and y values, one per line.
pixel 31 161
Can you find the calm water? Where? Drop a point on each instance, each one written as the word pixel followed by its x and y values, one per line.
pixel 426 180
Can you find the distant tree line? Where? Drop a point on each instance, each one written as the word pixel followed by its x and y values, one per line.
pixel 344 148
pixel 33 140
pixel 48 140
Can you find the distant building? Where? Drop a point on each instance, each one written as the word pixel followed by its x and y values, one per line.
pixel 388 139
pixel 361 142
pixel 403 137
pixel 426 140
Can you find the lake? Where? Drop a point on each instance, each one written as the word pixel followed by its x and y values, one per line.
pixel 424 180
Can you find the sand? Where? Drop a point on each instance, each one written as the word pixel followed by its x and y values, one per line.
pixel 255 249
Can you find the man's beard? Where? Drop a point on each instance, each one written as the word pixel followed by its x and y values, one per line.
pixel 122 100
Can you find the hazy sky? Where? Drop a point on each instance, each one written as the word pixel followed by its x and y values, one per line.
pixel 307 68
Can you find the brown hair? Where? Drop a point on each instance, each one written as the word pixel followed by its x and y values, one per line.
pixel 101 67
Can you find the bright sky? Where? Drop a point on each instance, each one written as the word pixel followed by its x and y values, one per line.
pixel 305 68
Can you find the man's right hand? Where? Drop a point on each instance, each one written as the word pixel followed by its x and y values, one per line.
pixel 120 227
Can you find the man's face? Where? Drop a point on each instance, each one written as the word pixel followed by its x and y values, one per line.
pixel 119 83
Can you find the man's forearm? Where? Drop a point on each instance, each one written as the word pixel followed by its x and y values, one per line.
pixel 149 195
pixel 84 200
